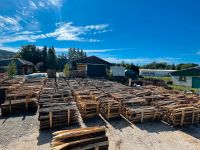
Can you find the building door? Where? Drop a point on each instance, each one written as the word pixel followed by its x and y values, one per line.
pixel 96 70
pixel 195 82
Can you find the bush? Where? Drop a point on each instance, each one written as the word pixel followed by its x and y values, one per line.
pixel 12 69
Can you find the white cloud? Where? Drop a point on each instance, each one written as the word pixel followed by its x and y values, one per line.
pixel 15 38
pixel 57 3
pixel 70 32
pixel 103 50
pixel 9 24
pixel 140 60
pixel 32 5
pixel 12 49
pixel 41 4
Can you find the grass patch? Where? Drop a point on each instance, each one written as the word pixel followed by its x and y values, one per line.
pixel 175 87
pixel 183 88
pixel 166 79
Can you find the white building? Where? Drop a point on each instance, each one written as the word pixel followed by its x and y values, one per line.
pixel 155 72
pixel 188 77
pixel 117 71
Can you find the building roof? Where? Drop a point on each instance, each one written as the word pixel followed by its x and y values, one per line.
pixel 18 61
pixel 195 71
pixel 91 60
pixel 159 70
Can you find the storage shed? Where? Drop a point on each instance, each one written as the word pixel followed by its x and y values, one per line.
pixel 117 71
pixel 92 65
pixel 187 77
pixel 23 66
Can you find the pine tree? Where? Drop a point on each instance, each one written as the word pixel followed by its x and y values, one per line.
pixel 45 57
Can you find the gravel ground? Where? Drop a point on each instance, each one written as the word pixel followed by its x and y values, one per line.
pixel 22 132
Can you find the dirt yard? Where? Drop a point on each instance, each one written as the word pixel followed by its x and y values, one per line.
pixel 22 132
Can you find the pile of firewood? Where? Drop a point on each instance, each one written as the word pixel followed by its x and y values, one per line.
pixel 81 138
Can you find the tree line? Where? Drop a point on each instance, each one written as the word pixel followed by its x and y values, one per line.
pixel 164 65
pixel 46 57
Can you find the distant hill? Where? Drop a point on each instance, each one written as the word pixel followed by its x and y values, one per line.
pixel 6 54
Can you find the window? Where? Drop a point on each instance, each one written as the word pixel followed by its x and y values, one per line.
pixel 182 78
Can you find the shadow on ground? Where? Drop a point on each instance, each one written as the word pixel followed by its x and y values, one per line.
pixel 45 136
pixel 156 127
pixel 97 121
pixel 24 115
pixel 119 123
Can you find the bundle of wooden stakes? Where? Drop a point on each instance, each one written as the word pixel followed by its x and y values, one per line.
pixel 91 138
pixel 57 106
pixel 22 99
pixel 179 115
pixel 88 107
pixel 109 108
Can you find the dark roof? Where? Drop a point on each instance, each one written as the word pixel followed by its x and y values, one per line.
pixel 91 60
pixel 195 71
pixel 18 61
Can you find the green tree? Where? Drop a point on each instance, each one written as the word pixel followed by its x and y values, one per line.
pixel 52 58
pixel 135 69
pixel 45 57
pixel 62 60
pixel 12 69
pixel 66 70
pixel 74 53
pixel 31 53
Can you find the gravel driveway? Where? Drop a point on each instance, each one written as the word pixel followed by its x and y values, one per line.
pixel 22 132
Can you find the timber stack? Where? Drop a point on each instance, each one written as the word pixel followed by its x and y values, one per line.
pixel 57 107
pixel 88 107
pixel 179 115
pixel 109 108
pixel 81 138
pixel 22 96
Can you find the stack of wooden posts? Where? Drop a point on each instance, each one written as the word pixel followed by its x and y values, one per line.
pixel 137 104
pixel 22 99
pixel 91 138
pixel 88 107
pixel 179 115
pixel 109 108
pixel 140 114
pixel 57 106
pixel 57 115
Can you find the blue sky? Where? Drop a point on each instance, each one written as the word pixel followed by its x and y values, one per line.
pixel 138 31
